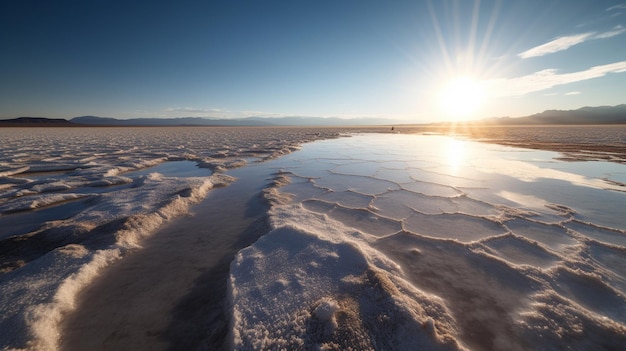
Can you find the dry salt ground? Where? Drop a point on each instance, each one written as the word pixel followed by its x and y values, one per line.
pixel 74 201
pixel 376 241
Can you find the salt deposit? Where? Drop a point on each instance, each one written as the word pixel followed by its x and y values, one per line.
pixel 74 200
pixel 492 249
pixel 377 241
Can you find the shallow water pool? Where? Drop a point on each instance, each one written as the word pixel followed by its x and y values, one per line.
pixel 504 249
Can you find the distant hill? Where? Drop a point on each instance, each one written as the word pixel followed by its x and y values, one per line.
pixel 181 121
pixel 35 122
pixel 249 121
pixel 584 115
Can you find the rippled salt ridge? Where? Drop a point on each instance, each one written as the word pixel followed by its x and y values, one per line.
pixel 428 242
pixel 74 200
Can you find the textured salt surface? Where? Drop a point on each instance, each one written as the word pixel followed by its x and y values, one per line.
pixel 72 201
pixel 426 242
pixel 378 241
pixel 171 294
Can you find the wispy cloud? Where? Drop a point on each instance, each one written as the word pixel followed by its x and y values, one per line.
pixel 192 110
pixel 222 113
pixel 547 79
pixel 564 43
pixel 616 7
pixel 558 44
pixel 573 93
pixel 616 31
pixel 616 10
pixel 195 112
pixel 264 114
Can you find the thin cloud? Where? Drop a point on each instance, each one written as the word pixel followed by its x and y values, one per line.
pixel 617 10
pixel 547 79
pixel 564 43
pixel 192 110
pixel 264 114
pixel 198 112
pixel 558 44
pixel 616 31
pixel 573 93
pixel 616 7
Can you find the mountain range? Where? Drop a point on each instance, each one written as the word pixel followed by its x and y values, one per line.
pixel 249 121
pixel 585 115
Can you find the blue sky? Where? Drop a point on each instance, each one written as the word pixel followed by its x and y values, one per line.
pixel 397 59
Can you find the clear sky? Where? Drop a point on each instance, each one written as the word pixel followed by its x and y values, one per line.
pixel 420 61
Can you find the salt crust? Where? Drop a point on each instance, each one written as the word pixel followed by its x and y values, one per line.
pixel 47 168
pixel 510 271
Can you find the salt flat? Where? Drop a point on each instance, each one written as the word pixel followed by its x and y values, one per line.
pixel 374 241
pixel 73 201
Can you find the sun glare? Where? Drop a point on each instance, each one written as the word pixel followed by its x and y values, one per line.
pixel 455 153
pixel 461 98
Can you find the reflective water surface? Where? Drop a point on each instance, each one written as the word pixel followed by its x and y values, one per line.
pixel 526 251
pixel 442 175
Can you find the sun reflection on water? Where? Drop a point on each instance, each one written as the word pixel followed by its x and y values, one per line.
pixel 455 155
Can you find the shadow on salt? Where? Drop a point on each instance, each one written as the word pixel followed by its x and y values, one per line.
pixel 27 221
pixel 605 235
pixel 173 169
pixel 45 171
pixel 519 250
pixel 553 236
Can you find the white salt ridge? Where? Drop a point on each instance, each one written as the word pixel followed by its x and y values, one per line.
pixel 35 201
pixel 139 211
pixel 313 286
pixel 9 172
pixel 44 265
pixel 505 263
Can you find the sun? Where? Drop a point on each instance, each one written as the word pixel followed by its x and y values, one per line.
pixel 461 98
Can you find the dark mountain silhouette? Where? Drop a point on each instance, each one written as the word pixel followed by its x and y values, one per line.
pixel 584 115
pixel 181 121
pixel 249 121
pixel 35 122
